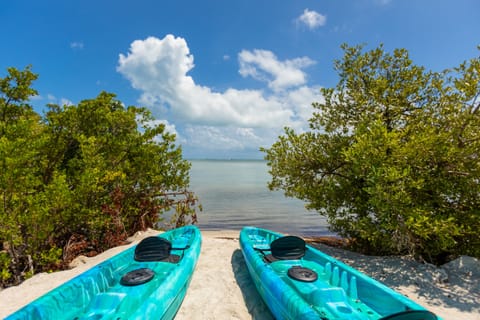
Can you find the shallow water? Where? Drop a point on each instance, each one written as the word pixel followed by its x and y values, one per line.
pixel 234 194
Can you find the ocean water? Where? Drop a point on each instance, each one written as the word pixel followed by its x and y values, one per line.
pixel 234 194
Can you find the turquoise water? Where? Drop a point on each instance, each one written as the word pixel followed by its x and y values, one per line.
pixel 234 194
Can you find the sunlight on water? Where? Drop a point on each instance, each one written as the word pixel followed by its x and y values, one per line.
pixel 234 194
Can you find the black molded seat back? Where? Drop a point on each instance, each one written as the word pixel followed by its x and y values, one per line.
pixel 412 315
pixel 288 248
pixel 153 249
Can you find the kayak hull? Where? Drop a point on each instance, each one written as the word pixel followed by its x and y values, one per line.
pixel 317 286
pixel 99 293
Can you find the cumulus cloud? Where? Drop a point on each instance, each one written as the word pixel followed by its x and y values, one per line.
pixel 312 19
pixel 159 68
pixel 280 75
pixel 229 120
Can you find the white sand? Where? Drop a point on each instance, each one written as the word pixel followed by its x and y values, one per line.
pixel 221 287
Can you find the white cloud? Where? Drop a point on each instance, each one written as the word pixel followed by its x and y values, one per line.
pixel 301 100
pixel 233 138
pixel 264 65
pixel 204 118
pixel 312 19
pixel 65 102
pixel 76 45
pixel 219 138
pixel 170 128
pixel 60 101
pixel 159 68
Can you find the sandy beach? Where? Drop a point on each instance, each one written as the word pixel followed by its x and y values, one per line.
pixel 221 287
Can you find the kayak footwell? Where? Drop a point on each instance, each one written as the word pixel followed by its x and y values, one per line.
pixel 331 286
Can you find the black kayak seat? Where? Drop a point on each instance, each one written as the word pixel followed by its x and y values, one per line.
pixel 411 315
pixel 286 248
pixel 155 249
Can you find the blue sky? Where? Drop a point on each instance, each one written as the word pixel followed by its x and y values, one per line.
pixel 225 76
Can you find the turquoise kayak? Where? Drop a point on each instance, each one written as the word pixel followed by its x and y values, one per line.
pixel 297 281
pixel 147 281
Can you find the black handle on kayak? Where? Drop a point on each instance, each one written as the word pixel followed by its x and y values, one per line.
pixel 185 248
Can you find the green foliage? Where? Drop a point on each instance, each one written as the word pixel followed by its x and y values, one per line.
pixel 392 156
pixel 80 179
pixel 4 266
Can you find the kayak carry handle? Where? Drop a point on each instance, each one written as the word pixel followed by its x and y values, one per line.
pixel 184 248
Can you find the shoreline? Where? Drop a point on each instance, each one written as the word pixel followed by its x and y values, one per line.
pixel 221 287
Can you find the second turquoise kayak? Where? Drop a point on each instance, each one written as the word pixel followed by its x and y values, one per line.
pixel 297 281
